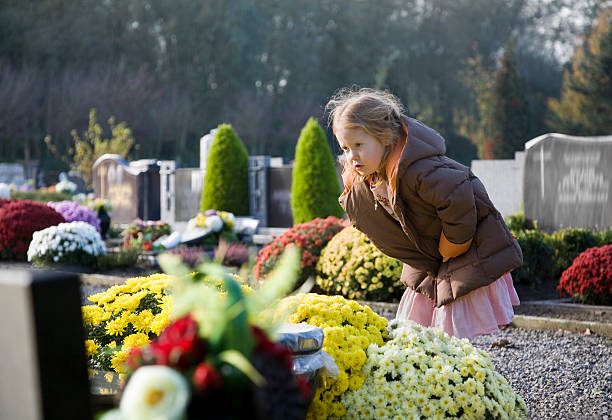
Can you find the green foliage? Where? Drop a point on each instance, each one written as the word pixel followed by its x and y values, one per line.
pixel 226 183
pixel 40 196
pixel 585 105
pixel 569 243
pixel 509 122
pixel 123 257
pixel 315 187
pixel 604 237
pixel 352 266
pixel 518 223
pixel 87 149
pixel 538 254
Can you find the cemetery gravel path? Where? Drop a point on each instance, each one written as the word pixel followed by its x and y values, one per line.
pixel 561 375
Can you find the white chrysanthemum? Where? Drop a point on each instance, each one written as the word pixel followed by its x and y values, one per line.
pixel 55 242
pixel 215 223
pixel 155 393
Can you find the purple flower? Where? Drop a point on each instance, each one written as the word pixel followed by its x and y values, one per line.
pixel 74 212
pixel 210 212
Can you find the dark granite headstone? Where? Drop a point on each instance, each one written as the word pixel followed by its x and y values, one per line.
pixel 42 356
pixel 568 181
pixel 258 188
pixel 132 189
pixel 279 197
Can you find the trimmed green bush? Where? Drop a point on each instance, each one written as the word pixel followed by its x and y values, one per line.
pixel 538 253
pixel 226 184
pixel 604 237
pixel 569 243
pixel 518 223
pixel 315 187
pixel 352 266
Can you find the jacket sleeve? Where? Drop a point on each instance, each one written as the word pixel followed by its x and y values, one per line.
pixel 449 191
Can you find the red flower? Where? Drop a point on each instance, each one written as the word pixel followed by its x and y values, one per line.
pixel 206 378
pixel 179 344
pixel 589 278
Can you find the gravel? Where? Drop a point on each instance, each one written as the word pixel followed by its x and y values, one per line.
pixel 561 375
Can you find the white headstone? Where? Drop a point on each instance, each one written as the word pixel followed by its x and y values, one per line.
pixel 205 143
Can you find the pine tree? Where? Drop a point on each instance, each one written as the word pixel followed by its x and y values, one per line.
pixel 585 106
pixel 226 182
pixel 315 187
pixel 510 121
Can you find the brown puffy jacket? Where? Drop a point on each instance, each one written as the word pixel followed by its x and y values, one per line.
pixel 433 198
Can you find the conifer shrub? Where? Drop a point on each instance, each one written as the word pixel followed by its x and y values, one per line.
pixel 19 220
pixel 315 187
pixel 226 182
pixel 352 266
pixel 589 278
pixel 538 252
pixel 310 237
pixel 569 243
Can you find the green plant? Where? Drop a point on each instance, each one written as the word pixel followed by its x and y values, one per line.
pixel 569 243
pixel 538 252
pixel 122 257
pixel 518 223
pixel 226 180
pixel 604 237
pixel 352 266
pixel 40 196
pixel 314 187
pixel 87 149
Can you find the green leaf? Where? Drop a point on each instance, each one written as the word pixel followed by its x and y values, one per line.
pixel 238 360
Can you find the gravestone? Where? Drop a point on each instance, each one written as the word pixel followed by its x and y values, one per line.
pixel 42 357
pixel 12 173
pixel 205 143
pixel 503 180
pixel 279 196
pixel 258 188
pixel 133 189
pixel 181 190
pixel 568 181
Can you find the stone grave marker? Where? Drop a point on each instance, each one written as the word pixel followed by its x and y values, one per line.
pixel 42 357
pixel 133 189
pixel 279 196
pixel 568 181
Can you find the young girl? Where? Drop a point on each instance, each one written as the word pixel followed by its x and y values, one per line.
pixel 428 211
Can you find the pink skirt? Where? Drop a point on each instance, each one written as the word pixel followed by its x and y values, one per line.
pixel 481 311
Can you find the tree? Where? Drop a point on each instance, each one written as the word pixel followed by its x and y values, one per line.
pixel 87 149
pixel 314 187
pixel 226 184
pixel 585 105
pixel 509 122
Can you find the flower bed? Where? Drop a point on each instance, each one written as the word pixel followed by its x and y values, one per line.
pixel 142 233
pixel 310 237
pixel 589 278
pixel 349 329
pixel 125 316
pixel 20 219
pixel 424 373
pixel 74 212
pixel 66 243
pixel 352 266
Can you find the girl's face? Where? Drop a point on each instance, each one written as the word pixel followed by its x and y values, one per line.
pixel 362 151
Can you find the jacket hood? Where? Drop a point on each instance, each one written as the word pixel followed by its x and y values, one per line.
pixel 421 142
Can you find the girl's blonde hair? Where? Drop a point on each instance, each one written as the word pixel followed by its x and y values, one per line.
pixel 377 112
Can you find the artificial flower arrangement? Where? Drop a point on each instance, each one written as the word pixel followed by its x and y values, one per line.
pixel 142 233
pixel 221 224
pixel 350 328
pixel 75 212
pixel 352 266
pixel 310 237
pixel 423 373
pixel 66 243
pixel 216 358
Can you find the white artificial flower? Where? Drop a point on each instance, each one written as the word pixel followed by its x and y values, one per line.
pixel 215 223
pixel 155 393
